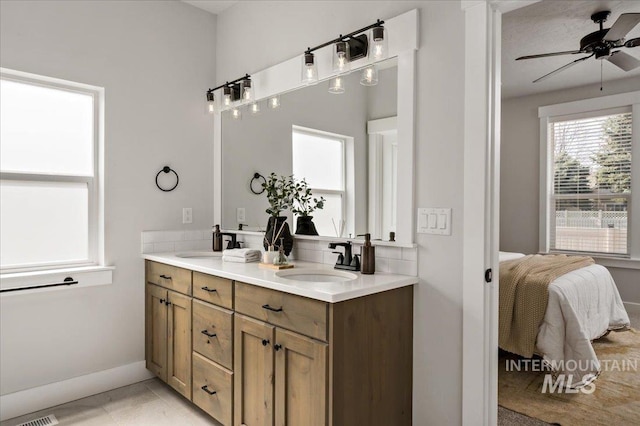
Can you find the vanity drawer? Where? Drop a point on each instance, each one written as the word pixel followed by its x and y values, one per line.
pixel 216 290
pixel 207 378
pixel 209 320
pixel 167 276
pixel 306 316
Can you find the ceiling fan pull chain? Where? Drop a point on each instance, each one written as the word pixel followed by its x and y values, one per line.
pixel 601 76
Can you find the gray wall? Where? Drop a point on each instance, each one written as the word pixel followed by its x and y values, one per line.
pixel 154 59
pixel 262 143
pixel 520 172
pixel 294 25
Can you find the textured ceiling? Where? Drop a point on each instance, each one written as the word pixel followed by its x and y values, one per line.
pixel 552 26
pixel 212 6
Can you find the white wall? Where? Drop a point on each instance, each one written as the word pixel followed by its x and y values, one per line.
pixel 270 32
pixel 520 172
pixel 155 61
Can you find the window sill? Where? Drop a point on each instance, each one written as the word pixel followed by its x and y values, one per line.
pixel 86 276
pixel 610 262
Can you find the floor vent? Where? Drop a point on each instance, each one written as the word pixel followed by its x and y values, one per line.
pixel 42 421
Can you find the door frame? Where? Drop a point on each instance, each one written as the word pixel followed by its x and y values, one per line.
pixel 481 218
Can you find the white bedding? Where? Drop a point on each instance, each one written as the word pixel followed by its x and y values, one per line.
pixel 583 305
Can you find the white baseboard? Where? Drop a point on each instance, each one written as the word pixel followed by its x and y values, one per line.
pixel 36 399
pixel 631 307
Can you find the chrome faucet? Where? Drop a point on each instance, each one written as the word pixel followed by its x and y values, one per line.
pixel 346 261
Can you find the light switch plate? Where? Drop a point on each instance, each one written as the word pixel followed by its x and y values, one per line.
pixel 434 221
pixel 241 215
pixel 187 215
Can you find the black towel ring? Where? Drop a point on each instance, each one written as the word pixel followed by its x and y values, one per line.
pixel 257 176
pixel 167 169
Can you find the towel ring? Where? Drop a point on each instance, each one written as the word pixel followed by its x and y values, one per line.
pixel 257 176
pixel 167 169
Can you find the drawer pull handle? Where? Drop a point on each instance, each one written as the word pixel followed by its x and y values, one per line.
pixel 265 342
pixel 210 290
pixel 277 347
pixel 166 277
pixel 269 308
pixel 206 389
pixel 206 333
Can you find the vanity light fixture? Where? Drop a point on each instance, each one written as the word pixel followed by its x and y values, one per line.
pixel 247 91
pixel 227 98
pixel 378 46
pixel 236 113
pixel 211 102
pixel 348 48
pixel 369 76
pixel 336 85
pixel 341 62
pixel 309 69
pixel 274 102
pixel 231 92
pixel 254 107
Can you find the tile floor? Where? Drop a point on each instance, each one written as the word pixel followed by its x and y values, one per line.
pixel 151 403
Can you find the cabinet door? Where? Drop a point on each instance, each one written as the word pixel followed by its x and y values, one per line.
pixel 179 343
pixel 253 372
pixel 156 330
pixel 301 380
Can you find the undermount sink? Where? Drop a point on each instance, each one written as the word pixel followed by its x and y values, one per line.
pixel 199 254
pixel 316 275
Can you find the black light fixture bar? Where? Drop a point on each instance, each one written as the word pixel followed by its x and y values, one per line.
pixel 230 83
pixel 346 37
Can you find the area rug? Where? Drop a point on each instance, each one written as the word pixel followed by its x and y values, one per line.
pixel 614 397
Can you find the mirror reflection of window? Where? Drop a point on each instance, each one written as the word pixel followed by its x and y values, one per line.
pixel 319 157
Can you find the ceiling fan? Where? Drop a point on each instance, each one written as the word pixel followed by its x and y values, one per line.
pixel 602 43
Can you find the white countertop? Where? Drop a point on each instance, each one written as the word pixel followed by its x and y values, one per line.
pixel 251 273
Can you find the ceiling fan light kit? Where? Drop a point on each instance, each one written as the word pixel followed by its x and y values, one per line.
pixel 602 44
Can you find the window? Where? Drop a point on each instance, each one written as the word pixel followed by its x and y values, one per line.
pixel 589 179
pixel 319 158
pixel 49 189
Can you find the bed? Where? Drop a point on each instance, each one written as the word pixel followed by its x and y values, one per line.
pixel 583 305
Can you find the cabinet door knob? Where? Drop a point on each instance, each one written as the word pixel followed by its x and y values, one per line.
pixel 277 347
pixel 269 308
pixel 167 303
pixel 162 301
pixel 166 277
pixel 206 333
pixel 265 342
pixel 206 389
pixel 210 290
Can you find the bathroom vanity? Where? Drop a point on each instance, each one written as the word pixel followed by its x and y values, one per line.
pixel 250 347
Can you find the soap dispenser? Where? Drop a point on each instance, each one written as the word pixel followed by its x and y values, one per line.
pixel 217 239
pixel 368 255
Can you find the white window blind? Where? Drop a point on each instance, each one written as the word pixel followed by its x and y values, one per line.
pixel 591 191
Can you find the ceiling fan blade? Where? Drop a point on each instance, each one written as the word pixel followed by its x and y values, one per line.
pixel 622 26
pixel 544 55
pixel 623 60
pixel 570 64
pixel 634 42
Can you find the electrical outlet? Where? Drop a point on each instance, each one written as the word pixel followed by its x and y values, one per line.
pixel 241 215
pixel 187 215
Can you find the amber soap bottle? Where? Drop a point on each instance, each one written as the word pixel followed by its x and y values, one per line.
pixel 368 256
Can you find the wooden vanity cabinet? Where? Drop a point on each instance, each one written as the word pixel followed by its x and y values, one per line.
pixel 250 355
pixel 168 325
pixel 359 374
